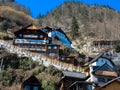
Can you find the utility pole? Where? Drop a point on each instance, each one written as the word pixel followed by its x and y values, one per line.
pixel 1 65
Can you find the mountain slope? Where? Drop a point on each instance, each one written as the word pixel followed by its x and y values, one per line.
pixel 103 21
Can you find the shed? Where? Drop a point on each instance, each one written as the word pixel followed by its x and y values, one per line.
pixel 32 83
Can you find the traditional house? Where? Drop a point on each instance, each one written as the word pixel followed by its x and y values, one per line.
pixel 113 84
pixel 102 70
pixel 36 40
pixel 32 83
pixel 68 78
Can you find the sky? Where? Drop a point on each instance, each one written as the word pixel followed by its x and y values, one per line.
pixel 44 6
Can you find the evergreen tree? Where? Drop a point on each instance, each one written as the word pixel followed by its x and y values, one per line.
pixel 74 27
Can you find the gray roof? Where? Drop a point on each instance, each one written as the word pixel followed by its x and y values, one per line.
pixel 74 74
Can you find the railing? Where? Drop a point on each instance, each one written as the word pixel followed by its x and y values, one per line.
pixel 40 58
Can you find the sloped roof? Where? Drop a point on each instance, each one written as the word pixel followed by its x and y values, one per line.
pixel 60 30
pixel 107 71
pixel 74 74
pixel 32 79
pixel 102 55
pixel 30 27
pixel 115 79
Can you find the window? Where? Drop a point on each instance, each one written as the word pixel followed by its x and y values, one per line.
pixel 89 87
pixel 27 87
pixel 51 54
pixel 49 47
pixel 55 47
pixel 41 36
pixel 20 35
pixel 35 88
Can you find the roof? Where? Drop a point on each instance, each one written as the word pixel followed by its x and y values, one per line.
pixel 105 70
pixel 115 79
pixel 74 74
pixel 30 27
pixel 84 82
pixel 60 30
pixel 31 79
pixel 102 55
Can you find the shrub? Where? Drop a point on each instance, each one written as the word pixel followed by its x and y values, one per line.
pixel 49 85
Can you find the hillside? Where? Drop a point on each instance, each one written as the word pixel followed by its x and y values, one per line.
pixel 102 21
pixel 14 16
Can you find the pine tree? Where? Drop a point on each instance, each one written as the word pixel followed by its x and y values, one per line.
pixel 74 27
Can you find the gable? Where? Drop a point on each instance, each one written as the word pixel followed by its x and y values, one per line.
pixel 101 61
pixel 105 70
pixel 32 27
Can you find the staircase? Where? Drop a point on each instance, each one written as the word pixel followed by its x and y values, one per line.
pixel 39 57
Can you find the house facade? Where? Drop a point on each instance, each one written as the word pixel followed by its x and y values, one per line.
pixel 32 83
pixel 101 70
pixel 68 78
pixel 36 40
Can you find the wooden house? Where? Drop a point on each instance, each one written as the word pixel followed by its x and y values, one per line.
pixel 68 60
pixel 52 51
pixel 68 78
pixel 36 40
pixel 102 70
pixel 113 84
pixel 32 83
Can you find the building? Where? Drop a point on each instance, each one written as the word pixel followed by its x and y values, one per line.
pixel 32 83
pixel 102 70
pixel 113 84
pixel 36 40
pixel 58 36
pixel 68 60
pixel 68 78
pixel 81 85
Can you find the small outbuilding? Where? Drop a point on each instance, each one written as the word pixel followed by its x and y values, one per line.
pixel 32 83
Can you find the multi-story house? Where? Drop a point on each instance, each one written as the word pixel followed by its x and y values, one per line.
pixel 102 69
pixel 36 40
